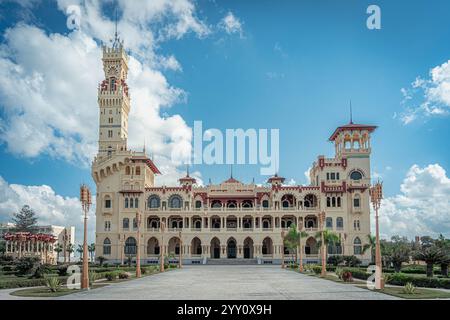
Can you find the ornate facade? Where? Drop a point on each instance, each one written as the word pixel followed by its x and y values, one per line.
pixel 231 220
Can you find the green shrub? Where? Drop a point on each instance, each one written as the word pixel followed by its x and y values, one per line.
pixel 335 260
pixel 110 276
pixel 409 288
pixel 351 261
pixel 8 268
pixel 21 283
pixel 52 283
pixel 26 265
pixel 339 272
pixel 358 273
pixel 92 277
pixel 317 269
pixel 124 275
pixel 62 270
pixel 41 271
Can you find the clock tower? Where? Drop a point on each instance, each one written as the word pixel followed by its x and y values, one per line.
pixel 113 101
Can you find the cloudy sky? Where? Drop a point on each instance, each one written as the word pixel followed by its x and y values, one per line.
pixel 231 64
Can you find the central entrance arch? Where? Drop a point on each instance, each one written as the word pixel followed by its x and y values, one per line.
pixel 248 248
pixel 231 248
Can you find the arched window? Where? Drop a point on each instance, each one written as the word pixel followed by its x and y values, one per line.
pixel 153 202
pixel 138 171
pixel 127 170
pixel 339 202
pixel 126 223
pixel 136 203
pixel 216 204
pixel 328 202
pixel 333 201
pixel 356 175
pixel 357 247
pixel 329 223
pixel 130 246
pixel 112 84
pixel 198 204
pixel 126 203
pixel 265 203
pixel 175 201
pixel 131 203
pixel 107 246
pixel 339 223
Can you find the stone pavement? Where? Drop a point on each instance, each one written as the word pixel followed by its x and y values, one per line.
pixel 229 283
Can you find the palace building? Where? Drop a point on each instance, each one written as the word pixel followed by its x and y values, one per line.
pixel 228 222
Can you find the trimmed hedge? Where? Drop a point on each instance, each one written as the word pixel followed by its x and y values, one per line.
pixel 402 279
pixel 23 282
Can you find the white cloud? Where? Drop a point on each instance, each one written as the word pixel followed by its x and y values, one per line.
pixel 48 82
pixel 422 207
pixel 50 208
pixel 231 24
pixel 427 97
pixel 307 176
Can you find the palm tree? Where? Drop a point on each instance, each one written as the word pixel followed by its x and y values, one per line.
pixel 329 237
pixel 80 250
pixel 396 251
pixel 70 249
pixel 371 244
pixel 291 240
pixel 430 254
pixel 91 249
pixel 444 245
pixel 58 249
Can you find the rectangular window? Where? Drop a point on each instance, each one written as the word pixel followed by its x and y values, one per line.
pixel 337 175
pixel 107 203
pixel 110 133
pixel 333 176
pixel 107 225
pixel 328 176
pixel 356 203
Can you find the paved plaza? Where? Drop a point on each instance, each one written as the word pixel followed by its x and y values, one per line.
pixel 229 282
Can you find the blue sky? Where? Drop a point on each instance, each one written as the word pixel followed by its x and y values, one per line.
pixel 291 65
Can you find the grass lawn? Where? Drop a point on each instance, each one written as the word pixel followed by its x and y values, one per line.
pixel 421 293
pixel 41 292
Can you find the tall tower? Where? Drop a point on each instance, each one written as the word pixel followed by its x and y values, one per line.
pixel 113 100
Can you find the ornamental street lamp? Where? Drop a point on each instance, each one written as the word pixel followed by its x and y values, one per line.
pixel 161 248
pixel 138 253
pixel 376 194
pixel 323 247
pixel 86 201
pixel 282 249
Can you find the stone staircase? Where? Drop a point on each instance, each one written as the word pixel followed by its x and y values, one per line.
pixel 237 261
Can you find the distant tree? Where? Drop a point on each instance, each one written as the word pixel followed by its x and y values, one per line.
pixel 69 249
pixel 430 253
pixel 396 251
pixel 80 251
pixel 444 245
pixel 370 245
pixel 25 220
pixel 58 249
pixel 91 249
pixel 101 260
pixel 292 240
pixel 330 238
pixel 2 247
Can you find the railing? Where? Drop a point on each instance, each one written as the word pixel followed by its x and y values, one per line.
pixel 247 229
pixel 311 229
pixel 267 229
pixel 152 229
pixel 196 229
pixel 231 229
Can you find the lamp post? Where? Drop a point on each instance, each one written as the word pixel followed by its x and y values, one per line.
pixel 161 248
pixel 282 249
pixel 180 263
pixel 323 247
pixel 376 194
pixel 86 201
pixel 138 253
